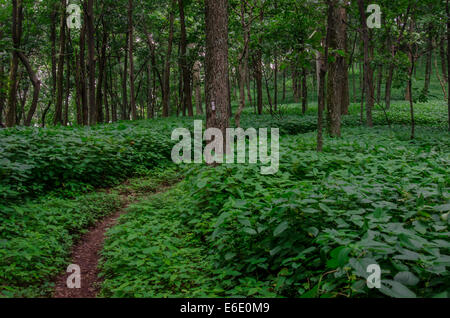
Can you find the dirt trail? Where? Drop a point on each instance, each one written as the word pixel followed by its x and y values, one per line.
pixel 86 254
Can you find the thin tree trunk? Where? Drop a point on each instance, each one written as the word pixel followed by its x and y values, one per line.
pixel 131 39
pixel 443 60
pixel 187 100
pixel 379 81
pixel 334 97
pixel 429 56
pixel 36 88
pixel 342 41
pixel 2 94
pixel 124 81
pixel 68 88
pixel 368 72
pixel 448 58
pixel 197 87
pixel 16 35
pixel 83 84
pixel 58 120
pixel 166 88
pixel 322 65
pixel 101 75
pixel 91 62
pixel 304 91
pixel 275 83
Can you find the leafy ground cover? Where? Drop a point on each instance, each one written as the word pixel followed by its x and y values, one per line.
pixel 373 197
pixel 36 238
pixel 72 160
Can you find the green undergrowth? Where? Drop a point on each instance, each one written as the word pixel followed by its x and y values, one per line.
pixel 372 197
pixel 69 161
pixel 36 238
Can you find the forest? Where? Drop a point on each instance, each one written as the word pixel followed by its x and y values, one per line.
pixel 356 95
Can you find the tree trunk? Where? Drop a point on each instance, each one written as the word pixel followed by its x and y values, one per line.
pixel 131 39
pixel 16 35
pixel 91 62
pixel 149 92
pixel 304 91
pixel 82 63
pixel 379 81
pixel 187 100
pixel 216 63
pixel 322 66
pixel 342 62
pixel 448 58
pixel 275 83
pixel 58 120
pixel 334 95
pixel 36 88
pixel 68 88
pixel 243 63
pixel 101 75
pixel 197 87
pixel 429 56
pixel 443 60
pixel 166 88
pixel 368 72
pixel 2 94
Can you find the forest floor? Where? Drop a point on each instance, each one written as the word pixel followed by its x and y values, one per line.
pixel 372 197
pixel 87 252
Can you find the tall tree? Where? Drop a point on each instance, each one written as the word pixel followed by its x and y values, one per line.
pixel 58 120
pixel 322 65
pixel 186 69
pixel 130 52
pixel 334 87
pixel 216 64
pixel 368 71
pixel 448 58
pixel 91 61
pixel 166 75
pixel 16 35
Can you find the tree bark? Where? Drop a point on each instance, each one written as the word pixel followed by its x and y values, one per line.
pixel 197 88
pixel 36 88
pixel 101 75
pixel 131 39
pixel 443 60
pixel 304 91
pixel 2 94
pixel 243 62
pixel 322 66
pixel 93 111
pixel 447 7
pixel 16 35
pixel 124 115
pixel 216 63
pixel 187 95
pixel 368 72
pixel 58 120
pixel 429 56
pixel 334 97
pixel 83 85
pixel 166 88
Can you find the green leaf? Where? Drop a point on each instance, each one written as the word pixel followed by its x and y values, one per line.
pixel 283 226
pixel 406 278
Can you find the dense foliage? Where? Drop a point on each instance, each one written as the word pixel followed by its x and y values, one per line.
pixel 36 240
pixel 311 230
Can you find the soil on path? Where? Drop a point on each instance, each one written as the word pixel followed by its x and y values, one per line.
pixel 86 254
